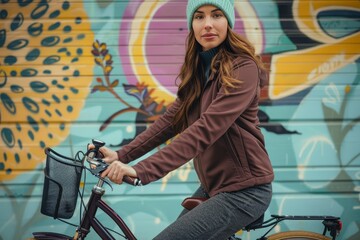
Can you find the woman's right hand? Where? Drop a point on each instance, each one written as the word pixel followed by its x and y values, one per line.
pixel 109 155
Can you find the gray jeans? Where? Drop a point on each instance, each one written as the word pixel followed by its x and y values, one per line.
pixel 220 216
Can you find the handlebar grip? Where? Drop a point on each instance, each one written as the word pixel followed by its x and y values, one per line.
pixel 132 181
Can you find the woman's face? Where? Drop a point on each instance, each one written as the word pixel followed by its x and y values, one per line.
pixel 210 26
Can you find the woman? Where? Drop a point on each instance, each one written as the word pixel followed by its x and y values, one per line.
pixel 215 115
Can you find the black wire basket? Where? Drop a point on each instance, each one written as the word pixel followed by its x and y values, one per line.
pixel 61 185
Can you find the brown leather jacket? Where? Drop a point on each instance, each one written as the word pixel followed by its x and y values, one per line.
pixel 223 137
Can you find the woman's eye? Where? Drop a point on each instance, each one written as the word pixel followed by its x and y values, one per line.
pixel 218 15
pixel 198 17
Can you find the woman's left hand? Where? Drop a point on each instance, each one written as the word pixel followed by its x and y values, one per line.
pixel 117 170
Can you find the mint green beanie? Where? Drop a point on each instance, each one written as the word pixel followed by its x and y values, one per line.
pixel 227 6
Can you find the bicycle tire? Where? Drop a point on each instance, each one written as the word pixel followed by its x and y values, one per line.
pixel 297 235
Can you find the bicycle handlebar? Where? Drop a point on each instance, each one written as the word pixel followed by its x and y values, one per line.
pixel 132 181
pixel 97 165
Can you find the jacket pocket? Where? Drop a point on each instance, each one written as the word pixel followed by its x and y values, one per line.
pixel 238 151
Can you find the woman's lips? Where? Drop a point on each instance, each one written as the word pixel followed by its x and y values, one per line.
pixel 208 36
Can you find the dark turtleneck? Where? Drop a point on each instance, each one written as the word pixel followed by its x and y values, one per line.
pixel 206 58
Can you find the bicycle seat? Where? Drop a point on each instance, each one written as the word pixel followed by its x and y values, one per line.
pixel 255 224
pixel 191 202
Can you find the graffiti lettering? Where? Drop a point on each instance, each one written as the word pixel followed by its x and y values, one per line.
pixel 325 68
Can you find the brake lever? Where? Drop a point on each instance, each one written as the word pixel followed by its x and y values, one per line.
pixel 100 166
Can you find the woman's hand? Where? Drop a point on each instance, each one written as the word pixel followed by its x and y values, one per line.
pixel 117 170
pixel 109 155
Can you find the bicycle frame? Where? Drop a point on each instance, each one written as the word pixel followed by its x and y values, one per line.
pixel 89 219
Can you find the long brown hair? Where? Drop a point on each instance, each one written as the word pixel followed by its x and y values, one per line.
pixel 191 74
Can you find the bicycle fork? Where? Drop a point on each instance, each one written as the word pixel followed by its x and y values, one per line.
pixel 89 220
pixel 90 212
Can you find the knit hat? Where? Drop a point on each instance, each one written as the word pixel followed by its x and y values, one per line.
pixel 226 6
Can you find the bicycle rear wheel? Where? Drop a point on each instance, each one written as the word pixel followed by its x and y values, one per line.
pixel 297 235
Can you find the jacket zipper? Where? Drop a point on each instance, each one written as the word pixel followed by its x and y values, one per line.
pixel 198 159
pixel 203 182
pixel 232 148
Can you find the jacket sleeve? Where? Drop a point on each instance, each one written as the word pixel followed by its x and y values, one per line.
pixel 159 132
pixel 212 124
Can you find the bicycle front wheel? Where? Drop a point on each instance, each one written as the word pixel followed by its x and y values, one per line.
pixel 297 235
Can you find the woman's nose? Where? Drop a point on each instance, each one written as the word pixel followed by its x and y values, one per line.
pixel 208 23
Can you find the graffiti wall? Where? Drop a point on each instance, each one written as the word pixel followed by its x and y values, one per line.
pixel 71 71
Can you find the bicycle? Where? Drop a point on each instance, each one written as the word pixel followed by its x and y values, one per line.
pixel 60 202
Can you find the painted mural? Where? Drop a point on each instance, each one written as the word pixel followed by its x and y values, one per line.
pixel 71 71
